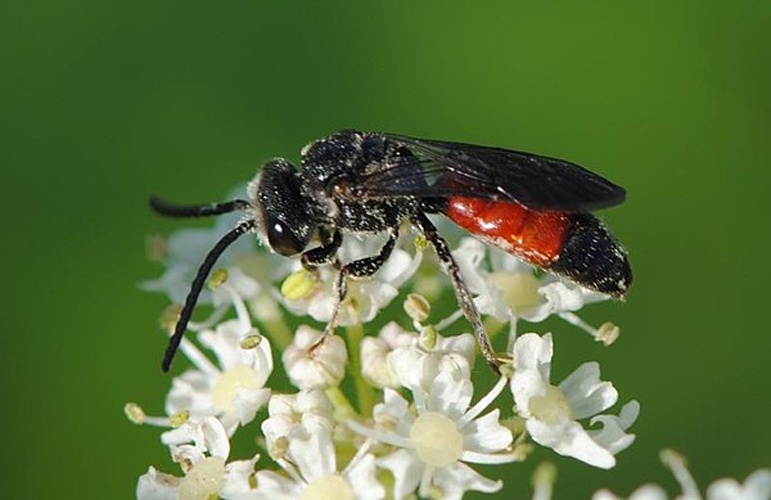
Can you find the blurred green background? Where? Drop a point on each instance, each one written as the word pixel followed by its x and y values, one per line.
pixel 102 103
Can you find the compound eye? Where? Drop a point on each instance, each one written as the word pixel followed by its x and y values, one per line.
pixel 282 240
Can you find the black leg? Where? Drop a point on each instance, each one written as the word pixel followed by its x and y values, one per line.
pixel 171 210
pixel 361 268
pixel 325 254
pixel 465 300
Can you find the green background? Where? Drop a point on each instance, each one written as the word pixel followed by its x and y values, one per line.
pixel 102 103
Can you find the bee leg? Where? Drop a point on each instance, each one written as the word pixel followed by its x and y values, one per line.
pixel 325 254
pixel 465 300
pixel 361 268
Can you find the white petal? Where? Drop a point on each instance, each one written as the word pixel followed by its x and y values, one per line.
pixel 644 492
pixel 407 470
pixel 374 363
pixel 532 352
pixel 248 402
pixel 407 365
pixel 154 485
pixel 304 412
pixel 469 256
pixel 238 476
pixel 450 396
pixel 570 439
pixel 456 479
pixel 586 393
pixel 225 340
pixel 314 455
pixel 486 434
pixel 757 486
pixel 399 267
pixel 612 436
pixel 191 391
pixel 394 410
pixel 323 368
pixel 361 476
pixel 271 485
pixel 215 438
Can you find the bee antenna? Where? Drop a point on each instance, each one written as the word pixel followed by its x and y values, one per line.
pixel 200 278
pixel 171 210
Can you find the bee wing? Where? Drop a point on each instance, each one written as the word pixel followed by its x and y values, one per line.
pixel 438 169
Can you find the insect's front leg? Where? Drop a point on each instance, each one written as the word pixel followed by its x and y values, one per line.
pixel 465 300
pixel 361 268
pixel 325 254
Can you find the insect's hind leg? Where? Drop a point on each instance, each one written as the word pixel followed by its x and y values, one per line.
pixel 465 299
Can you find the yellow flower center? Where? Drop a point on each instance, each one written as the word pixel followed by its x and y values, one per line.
pixel 203 480
pixel 552 407
pixel 520 290
pixel 437 440
pixel 224 391
pixel 329 487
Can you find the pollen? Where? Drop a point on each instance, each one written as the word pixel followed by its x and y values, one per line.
pixel 134 413
pixel 417 307
pixel 437 440
pixel 251 341
pixel 329 487
pixel 299 285
pixel 225 389
pixel 218 277
pixel 607 333
pixel 180 418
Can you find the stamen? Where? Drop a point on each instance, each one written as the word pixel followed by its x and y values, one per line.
pixel 417 307
pixel 218 277
pixel 180 418
pixel 483 403
pixel 299 285
pixel 251 341
pixel 544 477
pixel 384 437
pixel 137 415
pixel 677 464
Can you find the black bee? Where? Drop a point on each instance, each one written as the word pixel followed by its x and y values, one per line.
pixel 534 207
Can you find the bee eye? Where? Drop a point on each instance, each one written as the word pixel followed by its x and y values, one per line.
pixel 282 240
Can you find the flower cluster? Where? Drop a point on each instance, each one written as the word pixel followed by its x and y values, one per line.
pixel 394 411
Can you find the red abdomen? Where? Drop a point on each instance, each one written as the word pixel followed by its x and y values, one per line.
pixel 535 236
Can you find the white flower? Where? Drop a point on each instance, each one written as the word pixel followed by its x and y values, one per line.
pixel 311 365
pixel 202 450
pixel 155 485
pixel 398 358
pixel 511 290
pixel 311 465
pixel 757 486
pixel 233 390
pixel 438 436
pixel 551 412
pixel 644 492
pixel 291 414
pixel 365 296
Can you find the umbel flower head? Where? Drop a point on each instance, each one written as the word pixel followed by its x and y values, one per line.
pixel 369 411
